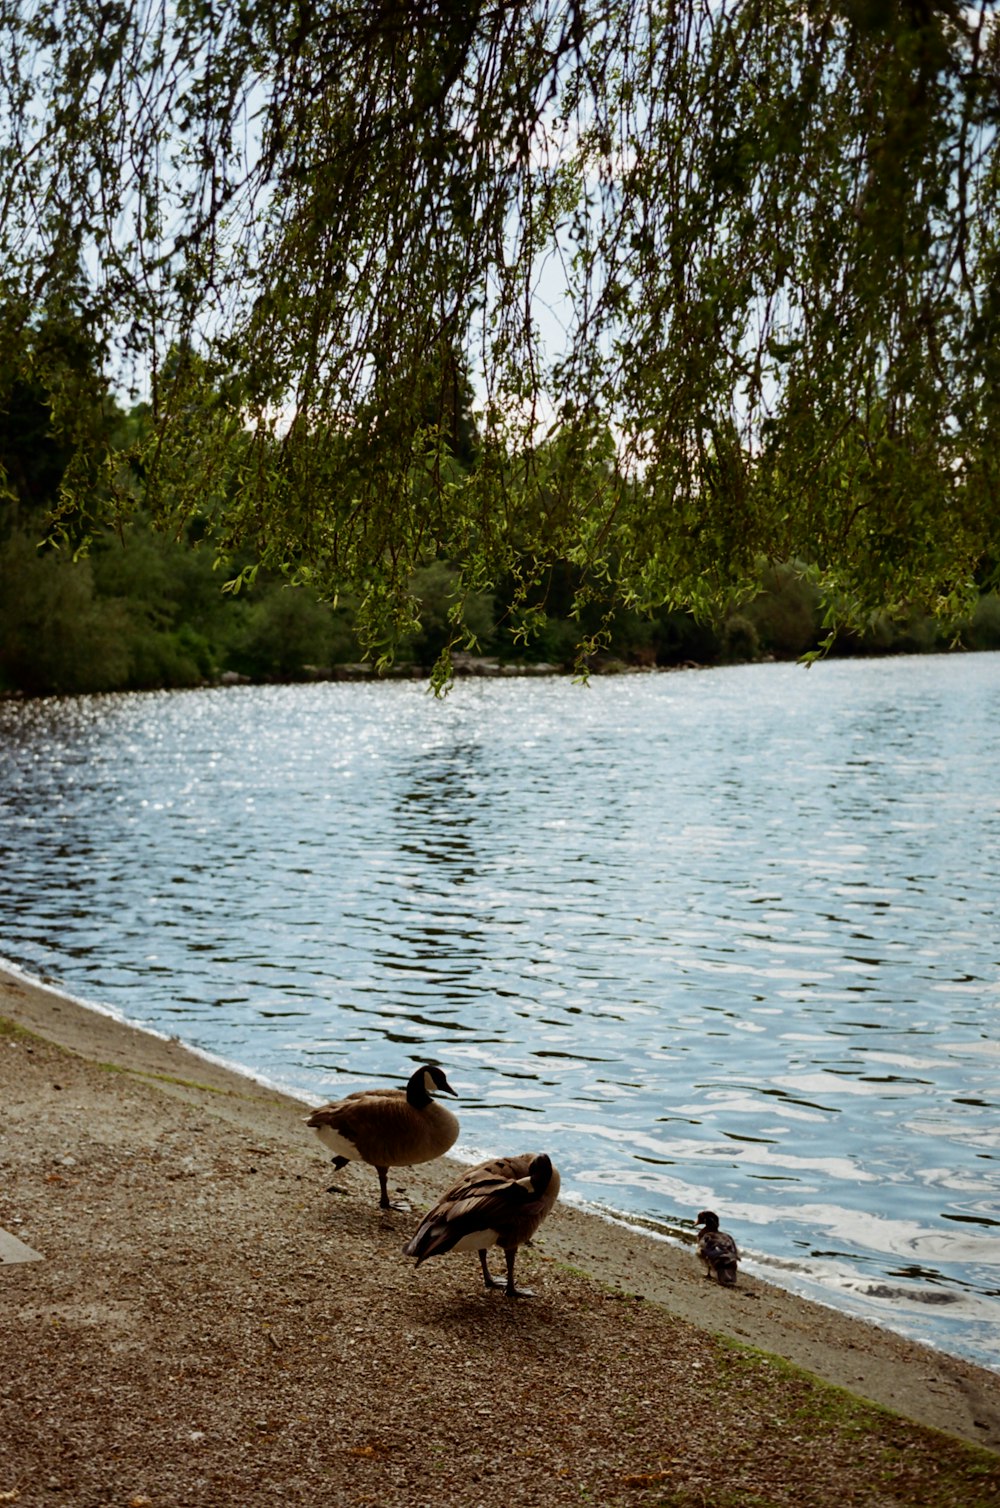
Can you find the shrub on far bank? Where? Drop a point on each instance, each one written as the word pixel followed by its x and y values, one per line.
pixel 283 630
pixel 55 634
pixel 148 616
pixel 152 614
pixel 167 658
pixel 435 587
pixel 786 614
pixel 983 628
pixel 740 640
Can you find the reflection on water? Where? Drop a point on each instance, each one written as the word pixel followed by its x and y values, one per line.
pixel 724 938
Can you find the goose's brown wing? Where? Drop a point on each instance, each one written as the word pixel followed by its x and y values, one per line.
pixel 485 1176
pixel 330 1115
pixel 484 1203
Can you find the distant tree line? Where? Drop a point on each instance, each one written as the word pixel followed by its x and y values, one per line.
pixel 98 609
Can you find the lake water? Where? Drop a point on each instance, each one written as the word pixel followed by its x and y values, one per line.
pixel 724 938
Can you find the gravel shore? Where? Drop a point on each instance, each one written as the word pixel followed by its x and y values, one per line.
pixel 206 1325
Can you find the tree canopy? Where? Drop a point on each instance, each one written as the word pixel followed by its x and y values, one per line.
pixel 719 279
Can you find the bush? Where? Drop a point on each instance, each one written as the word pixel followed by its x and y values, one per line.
pixel 917 634
pixel 556 642
pixel 55 635
pixel 983 631
pixel 165 659
pixel 435 587
pixel 739 639
pixel 285 630
pixel 679 638
pixel 634 637
pixel 786 612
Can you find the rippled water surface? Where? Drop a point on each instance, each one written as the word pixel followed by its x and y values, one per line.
pixel 723 938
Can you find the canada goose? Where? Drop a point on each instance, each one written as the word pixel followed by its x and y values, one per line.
pixel 388 1128
pixel 717 1249
pixel 499 1203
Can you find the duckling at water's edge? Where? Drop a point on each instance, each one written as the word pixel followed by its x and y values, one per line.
pixel 717 1250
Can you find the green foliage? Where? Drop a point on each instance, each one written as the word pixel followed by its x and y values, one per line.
pixel 152 614
pixel 983 630
pixel 171 605
pixel 916 633
pixel 56 418
pixel 283 633
pixel 740 640
pixel 440 602
pixel 723 280
pixel 158 659
pixel 54 634
pixel 786 614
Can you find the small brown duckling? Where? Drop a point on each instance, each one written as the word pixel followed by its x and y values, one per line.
pixel 717 1250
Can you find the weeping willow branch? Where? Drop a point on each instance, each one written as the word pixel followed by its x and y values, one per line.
pixel 721 281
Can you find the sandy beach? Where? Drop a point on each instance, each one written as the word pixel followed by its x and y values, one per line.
pixel 202 1323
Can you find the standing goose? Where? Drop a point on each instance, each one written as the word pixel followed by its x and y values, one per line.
pixel 499 1203
pixel 389 1128
pixel 717 1250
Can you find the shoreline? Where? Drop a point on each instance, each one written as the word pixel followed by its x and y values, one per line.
pixel 138 1130
pixel 809 1334
pixel 652 1240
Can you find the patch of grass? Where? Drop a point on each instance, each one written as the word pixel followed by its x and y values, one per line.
pixel 576 1272
pixel 915 1464
pixel 11 1029
pixel 819 1402
pixel 168 1078
pixel 15 1032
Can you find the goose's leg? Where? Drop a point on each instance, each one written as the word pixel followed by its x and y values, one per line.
pixel 338 1163
pixel 385 1203
pixel 488 1278
pixel 512 1290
